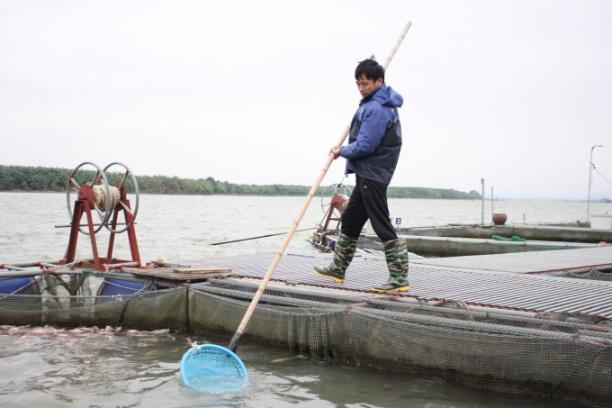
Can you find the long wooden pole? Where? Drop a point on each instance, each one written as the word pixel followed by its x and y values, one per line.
pixel 296 222
pixel 257 237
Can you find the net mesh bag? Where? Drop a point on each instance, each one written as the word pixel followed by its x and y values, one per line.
pixel 213 369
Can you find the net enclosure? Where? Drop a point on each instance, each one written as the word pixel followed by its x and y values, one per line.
pixel 546 353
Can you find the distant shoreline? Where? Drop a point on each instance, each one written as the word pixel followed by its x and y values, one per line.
pixel 237 194
pixel 29 179
pixel 552 200
pixel 24 179
pixel 52 179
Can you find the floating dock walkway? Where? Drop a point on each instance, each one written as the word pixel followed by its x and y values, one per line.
pixel 461 246
pixel 529 232
pixel 507 281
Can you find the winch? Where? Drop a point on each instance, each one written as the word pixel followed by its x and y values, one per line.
pixel 333 203
pixel 97 199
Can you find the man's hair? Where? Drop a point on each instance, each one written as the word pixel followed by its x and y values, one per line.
pixel 371 69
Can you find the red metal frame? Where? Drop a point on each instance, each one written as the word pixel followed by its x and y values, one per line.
pixel 336 203
pixel 84 205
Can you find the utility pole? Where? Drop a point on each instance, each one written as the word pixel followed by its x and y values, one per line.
pixel 483 202
pixel 588 214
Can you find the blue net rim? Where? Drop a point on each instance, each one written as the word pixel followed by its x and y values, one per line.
pixel 243 374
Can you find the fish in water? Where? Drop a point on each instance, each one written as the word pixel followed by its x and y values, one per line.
pixel 77 331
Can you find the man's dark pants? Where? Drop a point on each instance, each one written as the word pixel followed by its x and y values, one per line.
pixel 368 201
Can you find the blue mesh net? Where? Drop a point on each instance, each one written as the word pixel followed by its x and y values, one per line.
pixel 213 369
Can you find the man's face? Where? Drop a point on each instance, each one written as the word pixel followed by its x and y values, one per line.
pixel 367 86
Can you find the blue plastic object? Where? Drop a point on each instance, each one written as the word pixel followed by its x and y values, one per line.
pixel 213 369
pixel 14 285
pixel 112 287
pixel 332 245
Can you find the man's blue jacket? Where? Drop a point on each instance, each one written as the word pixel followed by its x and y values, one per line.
pixel 375 138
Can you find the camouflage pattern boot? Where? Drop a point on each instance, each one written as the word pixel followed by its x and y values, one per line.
pixel 343 255
pixel 396 254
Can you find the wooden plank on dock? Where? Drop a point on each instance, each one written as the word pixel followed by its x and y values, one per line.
pixel 203 269
pixel 183 274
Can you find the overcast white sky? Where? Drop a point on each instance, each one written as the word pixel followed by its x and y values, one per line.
pixel 516 92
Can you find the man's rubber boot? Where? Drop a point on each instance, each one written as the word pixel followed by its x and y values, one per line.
pixel 396 254
pixel 343 255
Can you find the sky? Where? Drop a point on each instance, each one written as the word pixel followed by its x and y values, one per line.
pixel 515 92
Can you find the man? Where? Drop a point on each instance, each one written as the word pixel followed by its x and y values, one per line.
pixel 375 140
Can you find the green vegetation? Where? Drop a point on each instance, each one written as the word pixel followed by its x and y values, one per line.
pixel 23 178
pixel 426 192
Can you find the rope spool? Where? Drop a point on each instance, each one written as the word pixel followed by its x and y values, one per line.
pixel 80 178
pixel 336 195
pixel 100 196
pixel 96 197
pixel 341 201
pixel 106 198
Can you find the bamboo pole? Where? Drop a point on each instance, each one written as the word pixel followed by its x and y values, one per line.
pixel 258 237
pixel 296 222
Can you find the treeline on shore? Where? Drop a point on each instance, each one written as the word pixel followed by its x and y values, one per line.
pixel 26 178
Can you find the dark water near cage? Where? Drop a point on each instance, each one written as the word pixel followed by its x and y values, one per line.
pixel 142 369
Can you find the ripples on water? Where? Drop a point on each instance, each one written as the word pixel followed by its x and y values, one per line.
pixel 129 369
pixel 84 368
